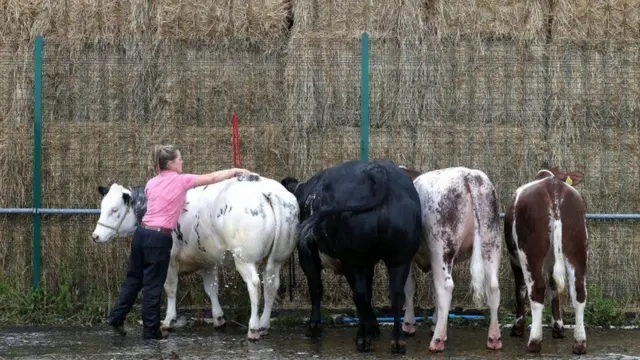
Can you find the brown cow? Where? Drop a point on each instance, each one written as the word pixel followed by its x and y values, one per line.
pixel 546 236
pixel 461 220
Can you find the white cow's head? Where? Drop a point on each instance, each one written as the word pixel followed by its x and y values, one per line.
pixel 117 217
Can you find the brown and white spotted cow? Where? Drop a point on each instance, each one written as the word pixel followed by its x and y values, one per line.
pixel 461 220
pixel 546 236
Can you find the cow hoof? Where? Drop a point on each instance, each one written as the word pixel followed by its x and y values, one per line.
pixel 167 325
pixel 534 346
pixel 557 332
pixel 263 331
pixel 399 347
pixel 436 345
pixel 409 329
pixel 219 322
pixel 253 335
pixel 517 331
pixel 580 347
pixel 363 344
pixel 494 344
pixel 314 330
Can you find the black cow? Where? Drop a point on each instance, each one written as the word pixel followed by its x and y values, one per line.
pixel 353 215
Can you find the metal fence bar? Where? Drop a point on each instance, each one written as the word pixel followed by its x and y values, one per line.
pixel 50 211
pixel 37 159
pixel 68 211
pixel 364 97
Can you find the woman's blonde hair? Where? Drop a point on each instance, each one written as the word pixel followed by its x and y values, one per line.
pixel 161 155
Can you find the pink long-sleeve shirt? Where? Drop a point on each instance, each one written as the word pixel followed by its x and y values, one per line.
pixel 166 194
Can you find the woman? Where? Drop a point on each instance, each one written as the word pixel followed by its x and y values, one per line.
pixel 152 242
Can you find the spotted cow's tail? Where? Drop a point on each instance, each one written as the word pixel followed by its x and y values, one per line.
pixel 485 219
pixel 377 175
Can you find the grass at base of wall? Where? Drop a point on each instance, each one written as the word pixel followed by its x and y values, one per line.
pixel 42 307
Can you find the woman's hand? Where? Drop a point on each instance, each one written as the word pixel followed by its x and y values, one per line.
pixel 240 172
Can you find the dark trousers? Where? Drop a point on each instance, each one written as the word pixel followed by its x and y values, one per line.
pixel 148 266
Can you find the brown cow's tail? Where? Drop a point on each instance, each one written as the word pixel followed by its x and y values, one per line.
pixel 555 230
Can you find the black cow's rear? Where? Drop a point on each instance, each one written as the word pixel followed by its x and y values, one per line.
pixel 359 213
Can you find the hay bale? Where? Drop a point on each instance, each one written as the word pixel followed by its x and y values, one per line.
pixel 596 20
pixel 238 23
pixel 74 21
pixel 597 75
pixel 192 86
pixel 348 19
pixel 107 22
pixel 16 117
pixel 23 20
pixel 322 93
pixel 209 83
pixel 489 19
pixel 463 93
pixel 594 122
pixel 80 22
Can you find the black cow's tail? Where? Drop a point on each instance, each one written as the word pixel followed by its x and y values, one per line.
pixel 378 175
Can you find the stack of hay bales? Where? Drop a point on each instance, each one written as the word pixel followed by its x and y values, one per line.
pixel 501 85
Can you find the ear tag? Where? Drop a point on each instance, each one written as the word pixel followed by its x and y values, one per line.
pixel 569 181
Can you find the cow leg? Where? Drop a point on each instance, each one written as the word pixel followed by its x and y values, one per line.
pixel 556 313
pixel 434 316
pixel 357 278
pixel 578 291
pixel 250 276
pixel 521 291
pixel 492 264
pixel 535 281
pixel 398 277
pixel 443 283
pixel 312 267
pixel 171 289
pixel 271 279
pixel 210 281
pixel 375 327
pixel 409 325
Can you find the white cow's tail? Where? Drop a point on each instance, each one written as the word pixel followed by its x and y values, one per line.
pixel 276 206
pixel 558 266
pixel 284 232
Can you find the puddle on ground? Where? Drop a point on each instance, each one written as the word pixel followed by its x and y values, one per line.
pixel 203 342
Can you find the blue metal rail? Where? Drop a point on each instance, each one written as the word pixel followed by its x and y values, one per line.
pixel 66 211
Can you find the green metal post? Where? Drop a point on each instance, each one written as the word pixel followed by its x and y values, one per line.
pixel 364 98
pixel 37 157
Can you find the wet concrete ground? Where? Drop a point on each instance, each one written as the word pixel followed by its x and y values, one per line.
pixel 202 342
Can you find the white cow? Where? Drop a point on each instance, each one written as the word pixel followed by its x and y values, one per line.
pixel 460 217
pixel 254 218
